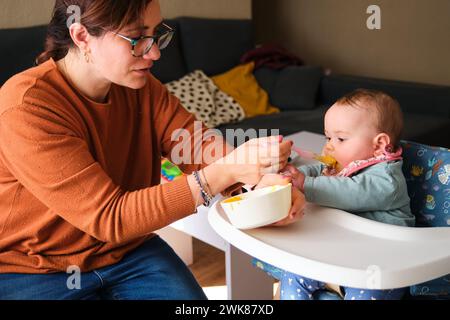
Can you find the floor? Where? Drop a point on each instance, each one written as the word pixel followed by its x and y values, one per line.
pixel 209 270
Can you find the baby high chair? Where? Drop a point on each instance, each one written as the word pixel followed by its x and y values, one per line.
pixel 427 172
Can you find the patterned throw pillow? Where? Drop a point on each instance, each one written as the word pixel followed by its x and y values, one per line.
pixel 199 95
pixel 427 173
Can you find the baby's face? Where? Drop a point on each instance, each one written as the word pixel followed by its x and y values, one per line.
pixel 350 134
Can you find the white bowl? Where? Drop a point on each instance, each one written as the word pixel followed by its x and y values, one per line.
pixel 259 207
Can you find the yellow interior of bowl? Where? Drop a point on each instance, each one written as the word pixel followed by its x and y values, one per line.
pixel 248 195
pixel 233 199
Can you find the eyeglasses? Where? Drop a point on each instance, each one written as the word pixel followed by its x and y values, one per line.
pixel 142 45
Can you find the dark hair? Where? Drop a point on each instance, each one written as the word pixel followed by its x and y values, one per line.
pixel 96 15
pixel 387 111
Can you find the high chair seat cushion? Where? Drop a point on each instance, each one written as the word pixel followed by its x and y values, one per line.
pixel 427 173
pixel 271 270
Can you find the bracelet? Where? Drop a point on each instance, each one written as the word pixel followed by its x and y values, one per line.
pixel 208 192
pixel 206 197
pixel 208 188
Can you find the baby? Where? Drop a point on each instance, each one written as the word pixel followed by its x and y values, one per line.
pixel 362 130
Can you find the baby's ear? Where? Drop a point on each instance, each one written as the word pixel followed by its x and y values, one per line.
pixel 381 143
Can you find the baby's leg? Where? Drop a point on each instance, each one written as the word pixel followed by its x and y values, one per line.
pixel 363 294
pixel 296 287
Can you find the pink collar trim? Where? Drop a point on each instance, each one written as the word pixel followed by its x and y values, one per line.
pixel 358 165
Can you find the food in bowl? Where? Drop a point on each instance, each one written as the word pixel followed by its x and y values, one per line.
pixel 258 208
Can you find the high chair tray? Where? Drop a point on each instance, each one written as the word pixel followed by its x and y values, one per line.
pixel 337 247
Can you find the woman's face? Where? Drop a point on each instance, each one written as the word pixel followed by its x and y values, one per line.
pixel 111 55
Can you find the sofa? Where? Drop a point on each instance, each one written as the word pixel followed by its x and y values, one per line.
pixel 215 46
pixel 302 93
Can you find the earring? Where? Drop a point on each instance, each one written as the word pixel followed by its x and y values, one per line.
pixel 389 148
pixel 86 56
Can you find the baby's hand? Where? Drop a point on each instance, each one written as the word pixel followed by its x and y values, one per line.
pixel 298 178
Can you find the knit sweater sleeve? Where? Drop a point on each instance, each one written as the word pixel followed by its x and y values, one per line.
pixel 186 142
pixel 50 160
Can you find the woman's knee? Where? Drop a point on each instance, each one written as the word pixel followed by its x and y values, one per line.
pixel 153 271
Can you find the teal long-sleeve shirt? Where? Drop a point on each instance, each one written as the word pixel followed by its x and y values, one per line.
pixel 378 192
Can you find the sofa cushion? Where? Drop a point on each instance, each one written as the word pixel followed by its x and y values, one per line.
pixel 171 65
pixel 286 122
pixel 241 84
pixel 19 49
pixel 296 88
pixel 267 78
pixel 427 129
pixel 413 97
pixel 214 45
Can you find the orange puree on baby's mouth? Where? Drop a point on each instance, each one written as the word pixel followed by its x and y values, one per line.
pixel 328 160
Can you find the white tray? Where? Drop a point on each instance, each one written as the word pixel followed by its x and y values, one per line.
pixel 341 248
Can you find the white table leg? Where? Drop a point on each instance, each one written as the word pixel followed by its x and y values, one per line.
pixel 244 281
pixel 180 242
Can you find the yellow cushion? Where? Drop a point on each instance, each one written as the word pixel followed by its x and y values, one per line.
pixel 241 84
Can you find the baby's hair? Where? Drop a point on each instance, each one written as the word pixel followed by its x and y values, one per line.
pixel 389 116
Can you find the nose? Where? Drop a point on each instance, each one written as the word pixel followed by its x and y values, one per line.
pixel 329 147
pixel 154 53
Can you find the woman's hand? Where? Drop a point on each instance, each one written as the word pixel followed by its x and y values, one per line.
pixel 251 160
pixel 298 199
pixel 298 178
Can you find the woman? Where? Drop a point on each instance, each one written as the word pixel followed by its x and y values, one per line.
pixel 82 138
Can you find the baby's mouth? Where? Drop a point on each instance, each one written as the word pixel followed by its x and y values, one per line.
pixel 329 161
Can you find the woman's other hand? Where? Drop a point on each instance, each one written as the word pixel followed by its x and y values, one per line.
pixel 298 199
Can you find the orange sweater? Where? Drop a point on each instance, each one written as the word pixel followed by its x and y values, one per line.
pixel 79 180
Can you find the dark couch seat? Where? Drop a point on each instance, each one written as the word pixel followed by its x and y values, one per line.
pixel 287 122
pixel 417 127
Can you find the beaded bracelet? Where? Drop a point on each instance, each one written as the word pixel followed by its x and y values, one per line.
pixel 206 197
pixel 208 188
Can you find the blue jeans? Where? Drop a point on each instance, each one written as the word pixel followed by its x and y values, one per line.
pixel 295 287
pixel 152 271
